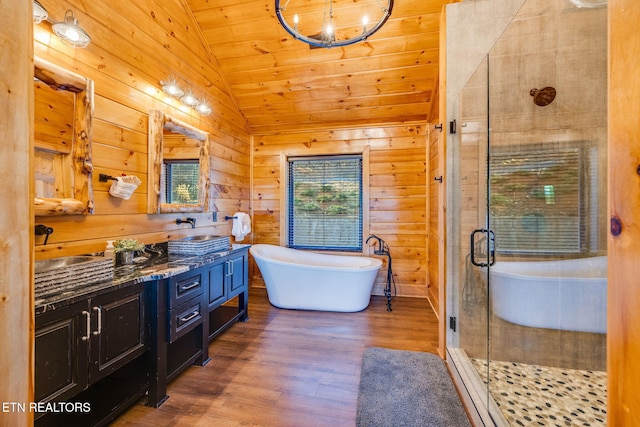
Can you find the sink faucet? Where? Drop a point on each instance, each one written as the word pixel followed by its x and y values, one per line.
pixel 188 220
pixel 41 229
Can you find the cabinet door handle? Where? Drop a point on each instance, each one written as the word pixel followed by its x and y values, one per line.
pixel 99 330
pixel 229 265
pixel 86 337
pixel 189 316
pixel 187 286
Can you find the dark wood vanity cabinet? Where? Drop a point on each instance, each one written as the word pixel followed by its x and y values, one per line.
pixel 228 279
pixel 189 310
pixel 178 329
pixel 115 346
pixel 121 330
pixel 237 273
pixel 78 346
pixel 61 357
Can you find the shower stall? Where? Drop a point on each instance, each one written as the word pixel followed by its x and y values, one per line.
pixel 526 224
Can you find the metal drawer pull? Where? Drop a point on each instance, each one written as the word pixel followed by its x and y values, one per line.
pixel 99 331
pixel 86 313
pixel 186 287
pixel 189 316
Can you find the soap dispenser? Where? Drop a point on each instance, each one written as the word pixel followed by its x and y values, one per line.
pixel 108 252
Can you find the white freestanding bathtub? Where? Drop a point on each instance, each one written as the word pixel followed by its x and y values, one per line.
pixel 567 294
pixel 305 280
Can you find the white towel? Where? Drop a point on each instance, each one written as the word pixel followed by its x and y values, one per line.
pixel 241 226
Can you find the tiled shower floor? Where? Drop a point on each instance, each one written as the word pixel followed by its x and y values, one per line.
pixel 531 395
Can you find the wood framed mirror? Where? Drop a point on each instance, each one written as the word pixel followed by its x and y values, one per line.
pixel 63 115
pixel 178 166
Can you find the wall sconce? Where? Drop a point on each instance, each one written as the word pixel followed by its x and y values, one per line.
pixel 39 12
pixel 69 31
pixel 188 99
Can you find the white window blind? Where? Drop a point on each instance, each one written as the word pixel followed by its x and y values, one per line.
pixel 537 200
pixel 325 203
pixel 181 181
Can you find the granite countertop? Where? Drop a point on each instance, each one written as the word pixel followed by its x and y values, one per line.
pixel 155 264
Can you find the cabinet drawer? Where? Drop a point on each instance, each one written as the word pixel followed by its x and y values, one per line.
pixel 185 286
pixel 185 317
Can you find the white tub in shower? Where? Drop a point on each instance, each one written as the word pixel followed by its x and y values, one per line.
pixel 567 294
pixel 306 280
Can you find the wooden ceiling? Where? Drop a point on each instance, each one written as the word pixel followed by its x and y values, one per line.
pixel 280 83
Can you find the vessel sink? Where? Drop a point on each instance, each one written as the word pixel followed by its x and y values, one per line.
pixel 199 238
pixel 57 275
pixel 199 245
pixel 52 264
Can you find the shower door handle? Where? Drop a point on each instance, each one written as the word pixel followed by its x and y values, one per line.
pixel 487 259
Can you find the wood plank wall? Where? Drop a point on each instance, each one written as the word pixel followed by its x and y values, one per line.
pixel 623 338
pixel 134 46
pixel 433 255
pixel 16 221
pixel 397 191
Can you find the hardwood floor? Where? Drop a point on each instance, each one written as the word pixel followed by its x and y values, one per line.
pixel 288 367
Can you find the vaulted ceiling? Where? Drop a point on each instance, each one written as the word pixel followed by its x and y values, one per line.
pixel 279 82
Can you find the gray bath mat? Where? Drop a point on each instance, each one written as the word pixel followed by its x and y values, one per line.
pixel 407 388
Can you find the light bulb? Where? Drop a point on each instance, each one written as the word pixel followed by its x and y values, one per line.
pixel 72 34
pixel 189 100
pixel 170 87
pixel 203 109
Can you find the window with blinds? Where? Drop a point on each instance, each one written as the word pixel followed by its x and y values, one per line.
pixel 181 181
pixel 325 203
pixel 538 199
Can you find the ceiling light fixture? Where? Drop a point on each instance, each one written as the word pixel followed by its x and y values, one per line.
pixel 39 12
pixel 69 31
pixel 333 22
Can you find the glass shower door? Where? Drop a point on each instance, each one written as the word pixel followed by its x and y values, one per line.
pixel 473 248
pixel 528 250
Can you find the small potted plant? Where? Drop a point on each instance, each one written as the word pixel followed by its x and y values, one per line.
pixel 124 250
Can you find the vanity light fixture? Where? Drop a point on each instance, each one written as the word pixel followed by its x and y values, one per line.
pixel 187 99
pixel 69 31
pixel 331 24
pixel 39 12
